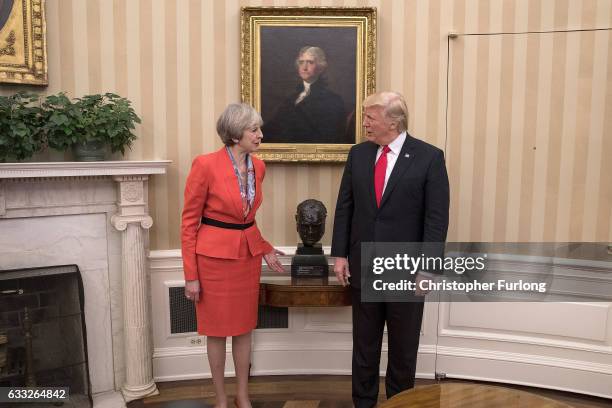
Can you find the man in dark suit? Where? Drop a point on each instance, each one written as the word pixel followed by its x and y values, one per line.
pixel 394 189
pixel 312 113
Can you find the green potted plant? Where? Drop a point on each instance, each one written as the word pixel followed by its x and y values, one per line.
pixel 21 122
pixel 90 125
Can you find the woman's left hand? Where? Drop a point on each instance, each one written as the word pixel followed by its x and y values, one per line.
pixel 273 262
pixel 192 290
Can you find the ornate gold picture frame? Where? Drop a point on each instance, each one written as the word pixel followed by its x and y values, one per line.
pixel 308 70
pixel 23 55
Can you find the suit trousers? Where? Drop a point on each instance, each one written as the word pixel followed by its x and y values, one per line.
pixel 403 332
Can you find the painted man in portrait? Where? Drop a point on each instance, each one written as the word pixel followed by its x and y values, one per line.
pixel 312 113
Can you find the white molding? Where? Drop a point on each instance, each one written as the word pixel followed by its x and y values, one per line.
pixel 575 268
pixel 165 352
pixel 290 250
pixel 547 260
pixel 169 260
pixel 347 371
pixel 109 399
pixel 80 169
pixel 186 377
pixel 161 261
pixel 481 334
pixel 525 359
pixel 322 347
pixel 2 201
pixel 329 327
pixel 521 339
pixel 427 349
pixel 165 254
pixel 298 359
pixel 170 253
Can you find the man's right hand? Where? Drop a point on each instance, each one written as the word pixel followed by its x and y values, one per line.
pixel 341 269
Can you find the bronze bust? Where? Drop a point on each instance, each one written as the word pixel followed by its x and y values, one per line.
pixel 309 260
pixel 310 221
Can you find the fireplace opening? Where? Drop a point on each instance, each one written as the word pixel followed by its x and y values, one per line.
pixel 42 331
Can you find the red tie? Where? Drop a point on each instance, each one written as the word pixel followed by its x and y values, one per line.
pixel 380 171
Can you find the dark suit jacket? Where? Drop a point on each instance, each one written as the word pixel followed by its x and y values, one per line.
pixel 414 206
pixel 319 118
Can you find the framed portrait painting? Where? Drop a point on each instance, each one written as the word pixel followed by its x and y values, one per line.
pixel 307 70
pixel 23 55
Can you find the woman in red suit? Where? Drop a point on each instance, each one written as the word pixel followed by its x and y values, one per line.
pixel 222 246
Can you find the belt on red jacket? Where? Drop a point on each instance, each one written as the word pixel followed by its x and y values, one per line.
pixel 226 225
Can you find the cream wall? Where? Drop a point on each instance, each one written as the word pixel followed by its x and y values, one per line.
pixel 179 62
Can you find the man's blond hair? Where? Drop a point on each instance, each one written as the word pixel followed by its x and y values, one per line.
pixel 394 107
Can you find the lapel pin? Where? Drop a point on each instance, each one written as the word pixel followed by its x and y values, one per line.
pixel 407 155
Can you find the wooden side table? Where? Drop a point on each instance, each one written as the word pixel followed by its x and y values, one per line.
pixel 284 291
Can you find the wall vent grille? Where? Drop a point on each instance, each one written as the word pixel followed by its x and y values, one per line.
pixel 183 319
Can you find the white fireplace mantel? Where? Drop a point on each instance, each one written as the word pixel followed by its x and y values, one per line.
pixel 94 215
pixel 76 169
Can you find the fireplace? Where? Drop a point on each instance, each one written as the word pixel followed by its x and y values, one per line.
pixel 94 216
pixel 43 323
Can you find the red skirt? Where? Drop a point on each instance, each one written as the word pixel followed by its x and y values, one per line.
pixel 229 294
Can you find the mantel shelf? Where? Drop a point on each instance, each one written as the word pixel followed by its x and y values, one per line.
pixel 79 169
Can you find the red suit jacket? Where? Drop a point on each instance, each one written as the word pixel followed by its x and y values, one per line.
pixel 212 191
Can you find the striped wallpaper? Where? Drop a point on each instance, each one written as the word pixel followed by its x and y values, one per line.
pixel 529 107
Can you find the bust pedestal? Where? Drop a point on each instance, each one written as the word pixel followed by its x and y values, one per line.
pixel 309 262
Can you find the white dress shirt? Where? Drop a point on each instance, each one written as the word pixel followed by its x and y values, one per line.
pixel 392 155
pixel 304 93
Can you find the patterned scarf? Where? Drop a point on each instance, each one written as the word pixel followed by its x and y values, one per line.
pixel 247 192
